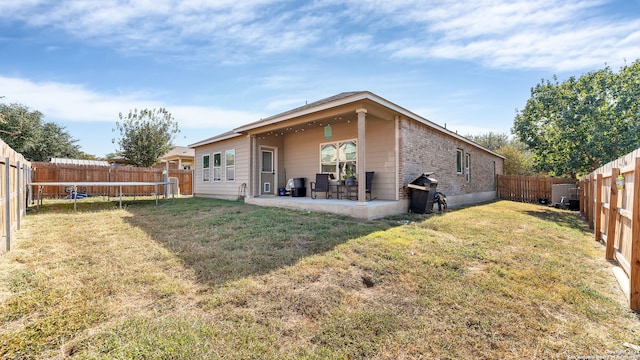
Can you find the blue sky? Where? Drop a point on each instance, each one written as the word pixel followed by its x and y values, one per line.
pixel 219 64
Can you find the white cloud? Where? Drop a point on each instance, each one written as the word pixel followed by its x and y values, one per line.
pixel 223 28
pixel 549 34
pixel 204 117
pixel 355 42
pixel 558 35
pixel 75 103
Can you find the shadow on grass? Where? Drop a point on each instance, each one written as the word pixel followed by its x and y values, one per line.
pixel 570 219
pixel 90 204
pixel 225 240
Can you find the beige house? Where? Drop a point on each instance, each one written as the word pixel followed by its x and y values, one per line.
pixel 357 131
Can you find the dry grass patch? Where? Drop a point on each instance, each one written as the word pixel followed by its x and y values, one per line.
pixel 201 278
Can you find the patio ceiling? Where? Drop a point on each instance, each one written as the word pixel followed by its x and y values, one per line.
pixel 342 114
pixel 297 126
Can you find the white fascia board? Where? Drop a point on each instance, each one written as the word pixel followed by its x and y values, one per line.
pixel 305 111
pixel 216 138
pixel 364 95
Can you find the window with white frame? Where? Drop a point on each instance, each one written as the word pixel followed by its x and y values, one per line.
pixel 217 167
pixel 467 167
pixel 339 158
pixel 458 161
pixel 206 168
pixel 230 164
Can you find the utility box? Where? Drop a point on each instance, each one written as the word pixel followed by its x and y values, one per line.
pixel 565 196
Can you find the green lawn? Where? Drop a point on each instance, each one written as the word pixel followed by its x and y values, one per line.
pixel 202 278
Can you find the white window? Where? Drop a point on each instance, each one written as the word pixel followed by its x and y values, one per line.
pixel 339 158
pixel 230 164
pixel 459 161
pixel 467 167
pixel 206 169
pixel 217 167
pixel 267 161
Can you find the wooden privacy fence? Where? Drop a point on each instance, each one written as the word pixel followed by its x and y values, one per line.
pixel 610 201
pixel 14 174
pixel 48 172
pixel 527 188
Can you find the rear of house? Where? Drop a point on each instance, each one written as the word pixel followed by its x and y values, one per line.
pixel 222 166
pixel 355 131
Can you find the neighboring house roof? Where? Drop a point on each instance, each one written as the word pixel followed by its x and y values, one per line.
pixel 118 160
pixel 179 152
pixel 78 162
pixel 331 102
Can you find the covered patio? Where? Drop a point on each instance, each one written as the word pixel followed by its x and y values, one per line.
pixel 332 140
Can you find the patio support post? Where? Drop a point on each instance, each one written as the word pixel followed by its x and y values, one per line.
pixel 361 165
pixel 253 173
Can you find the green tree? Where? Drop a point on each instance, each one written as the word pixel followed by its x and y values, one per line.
pixel 85 156
pixel 146 135
pixel 112 155
pixel 25 132
pixel 518 159
pixel 575 126
pixel 492 141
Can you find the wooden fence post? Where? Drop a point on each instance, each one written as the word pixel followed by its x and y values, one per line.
pixel 613 214
pixel 598 214
pixel 634 276
pixel 18 196
pixel 581 196
pixel 7 202
pixel 592 201
pixel 585 195
pixel 588 201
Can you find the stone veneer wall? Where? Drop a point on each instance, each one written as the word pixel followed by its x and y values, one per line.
pixel 425 150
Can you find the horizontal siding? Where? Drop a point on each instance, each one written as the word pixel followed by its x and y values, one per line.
pixel 224 189
pixel 302 153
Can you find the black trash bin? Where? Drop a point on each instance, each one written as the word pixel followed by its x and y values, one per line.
pixel 299 187
pixel 423 194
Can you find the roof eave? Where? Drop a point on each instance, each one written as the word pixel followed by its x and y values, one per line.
pixel 221 137
pixel 358 96
pixel 304 111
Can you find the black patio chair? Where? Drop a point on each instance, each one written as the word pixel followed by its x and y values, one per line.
pixel 353 190
pixel 320 185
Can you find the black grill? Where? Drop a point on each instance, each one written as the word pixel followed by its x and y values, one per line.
pixel 423 194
